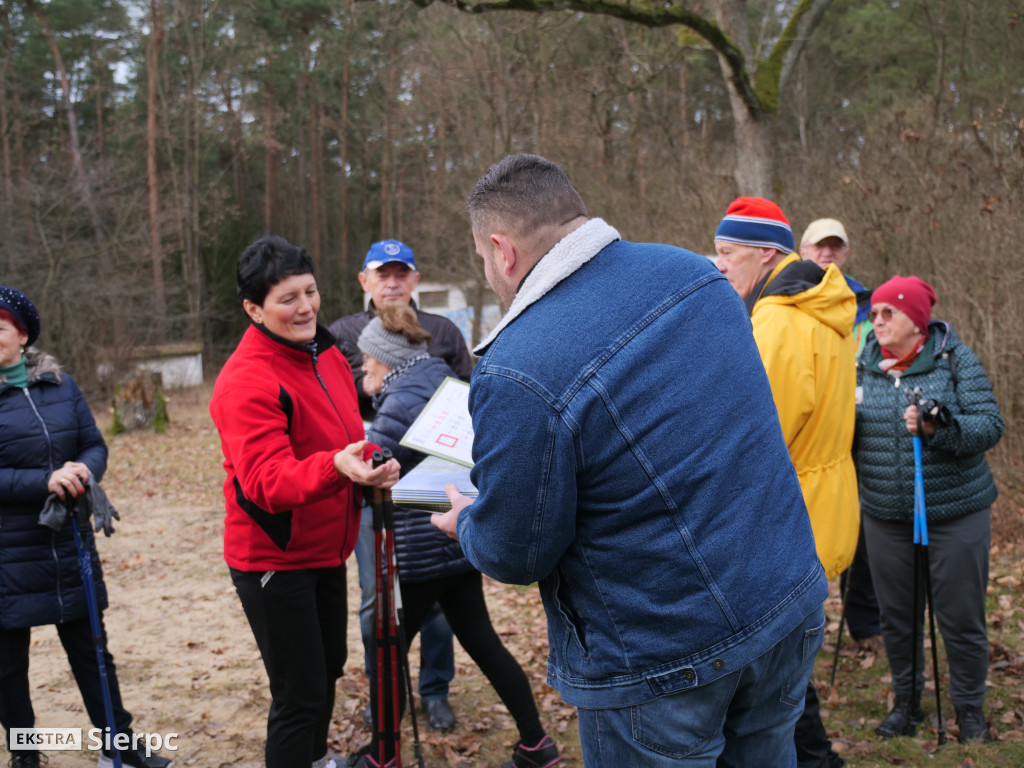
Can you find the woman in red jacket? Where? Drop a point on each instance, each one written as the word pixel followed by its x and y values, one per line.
pixel 293 442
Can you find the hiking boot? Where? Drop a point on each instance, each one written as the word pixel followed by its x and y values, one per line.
pixel 27 759
pixel 136 758
pixel 541 756
pixel 902 720
pixel 972 724
pixel 439 715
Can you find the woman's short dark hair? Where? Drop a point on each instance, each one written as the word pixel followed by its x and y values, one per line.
pixel 266 263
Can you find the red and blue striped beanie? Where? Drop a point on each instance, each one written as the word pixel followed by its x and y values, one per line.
pixel 757 222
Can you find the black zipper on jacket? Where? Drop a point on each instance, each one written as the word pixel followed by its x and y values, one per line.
pixel 53 534
pixel 314 356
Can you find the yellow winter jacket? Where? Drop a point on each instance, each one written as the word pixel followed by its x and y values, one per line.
pixel 803 326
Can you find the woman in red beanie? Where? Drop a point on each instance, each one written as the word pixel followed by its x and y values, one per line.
pixel 908 350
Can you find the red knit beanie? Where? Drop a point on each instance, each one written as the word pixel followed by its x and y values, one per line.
pixel 911 295
pixel 756 222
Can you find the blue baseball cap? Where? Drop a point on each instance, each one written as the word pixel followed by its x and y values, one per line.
pixel 386 251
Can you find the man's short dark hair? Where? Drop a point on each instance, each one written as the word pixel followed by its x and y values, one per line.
pixel 266 263
pixel 525 193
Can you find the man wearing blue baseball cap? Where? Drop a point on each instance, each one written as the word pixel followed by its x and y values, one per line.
pixel 389 275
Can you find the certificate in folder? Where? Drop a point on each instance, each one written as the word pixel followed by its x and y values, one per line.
pixel 444 431
pixel 444 427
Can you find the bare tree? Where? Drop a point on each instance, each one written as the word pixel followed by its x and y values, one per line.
pixel 74 146
pixel 754 86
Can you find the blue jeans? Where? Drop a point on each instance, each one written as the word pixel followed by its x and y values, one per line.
pixel 437 657
pixel 743 720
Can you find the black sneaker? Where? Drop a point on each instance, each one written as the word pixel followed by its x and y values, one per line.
pixel 902 720
pixel 972 724
pixel 134 758
pixel 27 759
pixel 543 755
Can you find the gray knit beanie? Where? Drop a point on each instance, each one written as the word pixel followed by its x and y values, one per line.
pixel 392 349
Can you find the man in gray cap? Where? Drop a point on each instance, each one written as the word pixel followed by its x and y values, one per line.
pixel 825 242
pixel 389 275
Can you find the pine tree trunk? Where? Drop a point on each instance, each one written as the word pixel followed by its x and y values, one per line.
pixel 152 177
pixel 74 145
pixel 268 159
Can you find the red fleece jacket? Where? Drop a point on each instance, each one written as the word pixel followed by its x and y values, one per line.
pixel 282 414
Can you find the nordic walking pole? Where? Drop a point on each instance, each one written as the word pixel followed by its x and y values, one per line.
pixel 386 726
pixel 89 585
pixel 842 620
pixel 403 651
pixel 913 627
pixel 921 535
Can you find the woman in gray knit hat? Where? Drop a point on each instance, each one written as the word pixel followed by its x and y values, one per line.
pixel 431 566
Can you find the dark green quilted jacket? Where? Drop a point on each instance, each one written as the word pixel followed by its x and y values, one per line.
pixel 957 480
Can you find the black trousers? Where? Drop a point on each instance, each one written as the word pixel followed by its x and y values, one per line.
pixel 813 747
pixel 299 620
pixel 76 637
pixel 462 599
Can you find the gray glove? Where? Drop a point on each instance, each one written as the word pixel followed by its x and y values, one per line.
pixel 54 513
pixel 96 502
pixel 93 502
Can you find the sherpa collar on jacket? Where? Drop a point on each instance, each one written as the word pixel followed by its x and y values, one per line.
pixel 569 254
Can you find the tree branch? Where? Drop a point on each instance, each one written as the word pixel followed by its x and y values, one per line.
pixel 773 74
pixel 648 15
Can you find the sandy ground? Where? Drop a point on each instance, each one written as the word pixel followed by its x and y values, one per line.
pixel 186 659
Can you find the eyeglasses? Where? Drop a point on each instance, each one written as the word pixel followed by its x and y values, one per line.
pixel 885 313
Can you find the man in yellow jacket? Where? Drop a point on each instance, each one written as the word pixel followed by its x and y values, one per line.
pixel 802 318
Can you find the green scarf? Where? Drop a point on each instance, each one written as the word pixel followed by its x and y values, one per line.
pixel 16 374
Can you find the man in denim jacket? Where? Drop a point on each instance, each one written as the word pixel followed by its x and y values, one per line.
pixel 629 458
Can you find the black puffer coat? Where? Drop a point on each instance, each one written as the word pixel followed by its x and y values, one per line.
pixel 446 342
pixel 423 551
pixel 41 428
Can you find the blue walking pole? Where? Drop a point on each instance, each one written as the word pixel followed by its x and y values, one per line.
pixel 921 545
pixel 89 585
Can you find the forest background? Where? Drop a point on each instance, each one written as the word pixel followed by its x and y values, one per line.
pixel 146 142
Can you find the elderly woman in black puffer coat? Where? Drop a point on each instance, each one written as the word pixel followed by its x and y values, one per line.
pixel 49 444
pixel 431 566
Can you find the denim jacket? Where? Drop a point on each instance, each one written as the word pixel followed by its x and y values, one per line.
pixel 628 457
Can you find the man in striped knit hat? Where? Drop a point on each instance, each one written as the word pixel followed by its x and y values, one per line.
pixel 802 318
